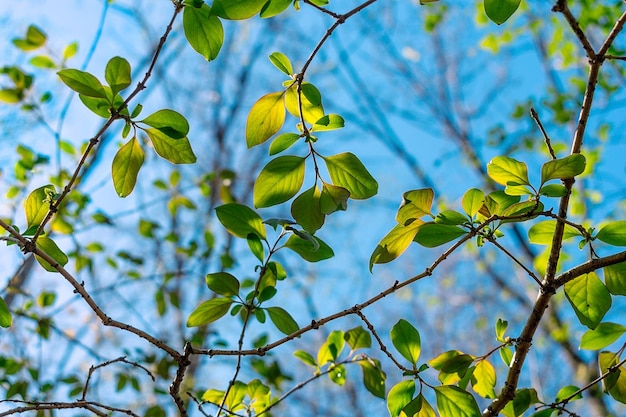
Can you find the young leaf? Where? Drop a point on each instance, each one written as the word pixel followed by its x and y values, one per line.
pixel 615 278
pixel 266 117
pixel 358 338
pixel 507 171
pixel 553 190
pixel 452 401
pixel 451 217
pixel 337 374
pixel 499 11
pixel 399 396
pixel 608 360
pixel 373 377
pixel 331 348
pixel 237 9
pixel 274 7
pixel 333 198
pixel 305 357
pixel 311 99
pixel 278 181
pixel 501 326
pixel 117 74
pixel 281 62
pixel 418 407
pixel 256 246
pixel 543 232
pixel 472 201
pixel 406 340
pixel 37 204
pixel 431 235
pixel 347 171
pixel 282 320
pixel 613 233
pixel 567 167
pixel 203 31
pixel 177 151
pixel 329 122
pixel 394 243
pixel 589 298
pixel 82 82
pixel 240 220
pixel 415 204
pixel 35 38
pixel 169 122
pixel 484 379
pixel 48 246
pixel 223 283
pixel 126 165
pixel 307 249
pixel 306 210
pixel 601 336
pixel 209 311
pixel 283 142
pixel 5 314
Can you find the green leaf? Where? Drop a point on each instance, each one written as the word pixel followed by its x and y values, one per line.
pixel 507 171
pixel 553 190
pixel 117 74
pixel 311 98
pixel 373 377
pixel 331 348
pixel 278 181
pixel 203 31
pixel 306 210
pixel 70 50
pixel 282 320
pixel 347 171
pixel 451 217
pixel 473 201
pixel 608 360
pixel 601 336
pixel 35 38
pixel 615 278
pixel 266 117
pixel 37 204
pixel 256 246
pixel 496 202
pixel 399 396
pixel 394 243
pixel 240 220
pixel 209 311
pixel 415 204
pixel 589 298
pixel 501 326
pixel 82 82
pixel 307 249
pixel 305 357
pixel 563 168
pixel 48 246
pixel 177 151
pixel 42 61
pixel 431 235
pixel 523 207
pixel 524 398
pixel 337 374
pixel 358 338
pixel 237 9
pixel 613 233
pixel 499 11
pixel 5 314
pixel 283 142
pixel 418 407
pixel 484 379
pixel 519 190
pixel 126 165
pixel 543 232
pixel 333 198
pixel 274 7
pixel 280 61
pixel 169 122
pixel 329 122
pixel 566 392
pixel 452 401
pixel 223 283
pixel 406 340
pixel 99 106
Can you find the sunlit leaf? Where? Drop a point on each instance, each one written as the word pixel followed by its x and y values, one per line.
pixel 274 7
pixel 394 243
pixel 613 233
pixel 553 190
pixel 331 348
pixel 508 171
pixel 484 379
pixel 306 210
pixel 266 117
pixel 472 201
pixel 117 74
pixel 209 311
pixel 589 298
pixel 168 122
pixel 125 168
pixel 283 142
pixel 280 61
pixel 177 151
pixel 347 171
pixel 358 338
pixel 451 217
pixel 415 204
pixel 312 108
pixel 566 392
pixel 615 278
pixel 282 320
pixel 608 360
pixel 203 31
pixel 418 407
pixel 373 377
pixel 5 314
pixel 406 340
pixel 337 374
pixel 333 198
pixel 601 336
pixel 499 11
pixel 223 283
pixel 431 235
pixel 82 82
pixel 237 9
pixel 37 204
pixel 305 357
pixel 278 181
pixel 307 249
pixel 563 168
pixel 49 247
pixel 542 233
pixel 329 122
pixel 399 396
pixel 240 220
pixel 452 401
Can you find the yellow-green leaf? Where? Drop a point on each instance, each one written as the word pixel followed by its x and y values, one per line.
pixel 266 117
pixel 126 165
pixel 278 181
pixel 394 243
pixel 203 31
pixel 37 204
pixel 347 171
pixel 508 171
pixel 209 311
pixel 49 247
pixel 589 298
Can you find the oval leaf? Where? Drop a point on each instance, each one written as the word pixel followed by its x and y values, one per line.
pixel 563 168
pixel 399 396
pixel 589 298
pixel 431 235
pixel 48 246
pixel 358 338
pixel 394 243
pixel 169 122
pixel 5 315
pixel 37 204
pixel 283 142
pixel 507 171
pixel 312 109
pixel 117 74
pixel 406 340
pixel 237 9
pixel 240 220
pixel 309 251
pixel 282 320
pixel 373 377
pixel 484 379
pixel 203 31
pixel 543 232
pixel 452 401
pixel 499 11
pixel 280 61
pixel 278 181
pixel 615 278
pixel 306 210
pixel 209 311
pixel 472 201
pixel 347 171
pixel 126 165
pixel 613 233
pixel 223 283
pixel 601 336
pixel 177 151
pixel 82 82
pixel 266 117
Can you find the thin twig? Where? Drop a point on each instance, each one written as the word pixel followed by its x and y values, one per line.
pixel 535 117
